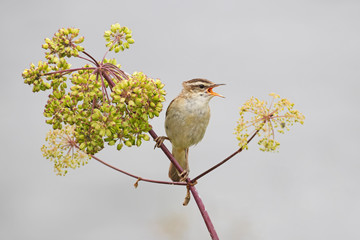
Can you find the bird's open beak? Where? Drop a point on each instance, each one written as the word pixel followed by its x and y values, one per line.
pixel 210 90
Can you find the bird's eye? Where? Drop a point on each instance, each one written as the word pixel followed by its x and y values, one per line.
pixel 201 86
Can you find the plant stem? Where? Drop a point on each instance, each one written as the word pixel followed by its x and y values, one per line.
pixel 167 152
pixel 108 79
pixel 192 188
pixel 225 160
pixel 204 213
pixel 66 71
pixel 95 62
pixel 137 177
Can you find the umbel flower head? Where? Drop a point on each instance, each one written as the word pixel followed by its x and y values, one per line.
pixel 105 104
pixel 63 151
pixel 118 38
pixel 265 119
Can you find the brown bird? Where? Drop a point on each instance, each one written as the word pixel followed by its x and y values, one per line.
pixel 187 118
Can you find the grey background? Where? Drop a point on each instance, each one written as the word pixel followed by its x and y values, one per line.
pixel 307 51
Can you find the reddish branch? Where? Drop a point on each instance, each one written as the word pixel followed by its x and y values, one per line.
pixel 137 177
pixel 191 187
pixel 225 160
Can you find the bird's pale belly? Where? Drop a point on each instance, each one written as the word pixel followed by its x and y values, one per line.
pixel 188 128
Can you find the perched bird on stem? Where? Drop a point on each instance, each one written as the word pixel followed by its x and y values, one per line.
pixel 187 118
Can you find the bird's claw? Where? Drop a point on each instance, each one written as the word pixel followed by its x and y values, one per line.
pixel 159 141
pixel 184 175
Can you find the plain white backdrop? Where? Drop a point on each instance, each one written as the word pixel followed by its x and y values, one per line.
pixel 306 51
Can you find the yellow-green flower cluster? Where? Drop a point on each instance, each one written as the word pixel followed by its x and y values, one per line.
pixel 103 103
pixel 64 43
pixel 62 150
pixel 33 76
pixel 118 38
pixel 120 117
pixel 138 99
pixel 265 118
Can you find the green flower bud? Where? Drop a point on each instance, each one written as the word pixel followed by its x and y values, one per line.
pixel 119 146
pixel 156 98
pixel 127 30
pixel 82 146
pixel 146 137
pixel 128 143
pixel 116 99
pixel 130 41
pixel 75 31
pixel 113 28
pixel 80 48
pixel 79 40
pixel 131 103
pixel 107 33
pixel 57 95
pixel 47 85
pixel 108 133
pixel 138 101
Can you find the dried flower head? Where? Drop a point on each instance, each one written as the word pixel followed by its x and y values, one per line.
pixel 266 117
pixel 63 151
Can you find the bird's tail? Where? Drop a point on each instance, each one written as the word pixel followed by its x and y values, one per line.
pixel 180 155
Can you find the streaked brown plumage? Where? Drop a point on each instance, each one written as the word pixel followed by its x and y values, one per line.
pixel 187 118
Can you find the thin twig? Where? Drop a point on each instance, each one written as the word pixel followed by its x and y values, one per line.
pixel 225 160
pixel 86 59
pixel 95 62
pixel 66 71
pixel 134 176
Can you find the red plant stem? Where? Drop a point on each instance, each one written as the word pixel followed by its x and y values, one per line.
pixel 217 165
pixel 192 188
pixel 225 160
pixel 204 213
pixel 134 176
pixel 66 71
pixel 108 79
pixel 95 62
pixel 167 152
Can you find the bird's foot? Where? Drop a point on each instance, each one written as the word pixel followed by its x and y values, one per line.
pixel 159 141
pixel 184 175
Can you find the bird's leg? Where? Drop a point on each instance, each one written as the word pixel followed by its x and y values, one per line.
pixel 160 140
pixel 185 174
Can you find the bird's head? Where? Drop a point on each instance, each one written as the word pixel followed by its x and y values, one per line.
pixel 201 87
